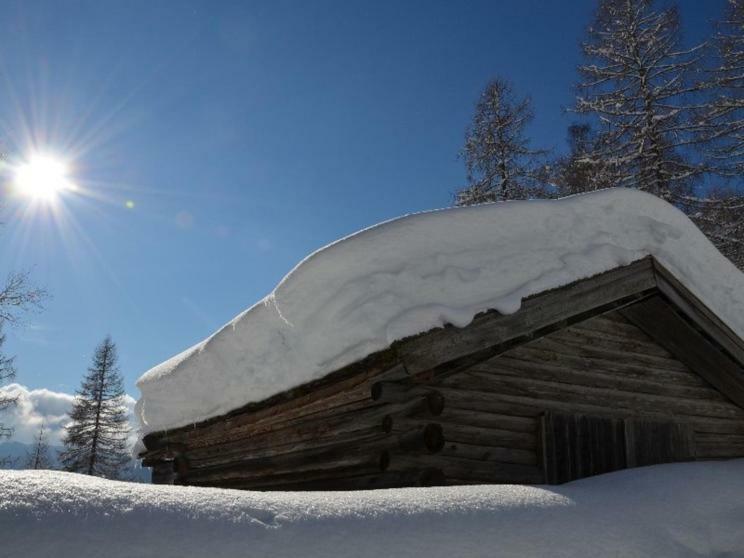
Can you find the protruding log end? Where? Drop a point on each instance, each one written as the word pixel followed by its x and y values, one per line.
pixel 428 438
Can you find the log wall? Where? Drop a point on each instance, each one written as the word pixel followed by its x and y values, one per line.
pixel 390 421
pixel 605 367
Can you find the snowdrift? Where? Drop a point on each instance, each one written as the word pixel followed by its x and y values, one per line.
pixel 680 510
pixel 412 274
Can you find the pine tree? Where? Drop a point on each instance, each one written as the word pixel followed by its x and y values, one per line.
pixel 639 84
pixel 39 458
pixel 500 164
pixel 96 440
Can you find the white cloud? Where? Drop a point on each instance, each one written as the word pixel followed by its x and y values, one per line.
pixel 35 406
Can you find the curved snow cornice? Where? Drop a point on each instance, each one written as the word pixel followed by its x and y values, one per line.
pixel 418 272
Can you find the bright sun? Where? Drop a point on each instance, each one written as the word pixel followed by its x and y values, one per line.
pixel 42 177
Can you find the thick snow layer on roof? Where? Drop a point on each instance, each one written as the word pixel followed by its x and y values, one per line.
pixel 681 510
pixel 418 272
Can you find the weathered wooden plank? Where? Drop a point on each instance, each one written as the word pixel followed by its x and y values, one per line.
pixel 237 452
pixel 505 454
pixel 657 318
pixel 719 449
pixel 275 481
pixel 492 333
pixel 583 334
pixel 536 390
pixel 530 406
pixel 606 355
pixel 475 435
pixel 368 458
pixel 556 372
pixel 612 325
pixel 484 471
pixel 484 419
pixel 350 383
pixel 564 356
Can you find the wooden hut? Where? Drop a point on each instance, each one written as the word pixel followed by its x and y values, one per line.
pixel 622 369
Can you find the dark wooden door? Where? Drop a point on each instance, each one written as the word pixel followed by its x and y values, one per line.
pixel 578 446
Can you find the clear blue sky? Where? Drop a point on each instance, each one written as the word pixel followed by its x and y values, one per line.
pixel 246 134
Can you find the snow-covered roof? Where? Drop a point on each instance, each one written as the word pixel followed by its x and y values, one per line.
pixel 409 275
pixel 683 510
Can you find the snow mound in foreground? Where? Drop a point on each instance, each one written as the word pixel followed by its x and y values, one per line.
pixel 690 509
pixel 412 274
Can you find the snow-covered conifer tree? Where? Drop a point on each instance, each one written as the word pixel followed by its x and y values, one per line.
pixel 640 85
pixel 500 164
pixel 723 132
pixel 38 457
pixel 96 440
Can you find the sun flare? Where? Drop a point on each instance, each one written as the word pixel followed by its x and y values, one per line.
pixel 42 177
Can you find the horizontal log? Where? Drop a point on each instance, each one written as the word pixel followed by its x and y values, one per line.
pixel 604 356
pixel 627 339
pixel 487 472
pixel 661 321
pixel 614 325
pixel 468 434
pixel 556 354
pixel 333 421
pixel 555 371
pixel 612 398
pixel 485 419
pixel 420 438
pixel 397 392
pixel 717 450
pixel 489 453
pixel 343 386
pixel 534 407
pixel 363 459
pixel 706 437
pixel 307 474
pixel 217 455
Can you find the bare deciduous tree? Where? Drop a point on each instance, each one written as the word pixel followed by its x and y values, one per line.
pixel 16 297
pixel 640 85
pixel 38 457
pixel 723 128
pixel 500 164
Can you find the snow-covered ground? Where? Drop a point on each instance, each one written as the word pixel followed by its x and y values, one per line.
pixel 418 272
pixel 679 510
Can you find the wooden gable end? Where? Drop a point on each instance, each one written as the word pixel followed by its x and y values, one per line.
pixel 602 368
